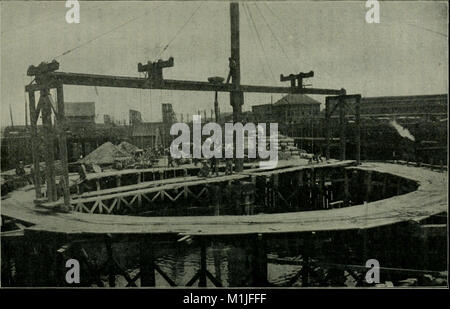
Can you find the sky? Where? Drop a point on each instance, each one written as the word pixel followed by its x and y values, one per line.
pixel 405 54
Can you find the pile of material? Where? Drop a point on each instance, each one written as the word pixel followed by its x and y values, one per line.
pixel 107 153
pixel 129 148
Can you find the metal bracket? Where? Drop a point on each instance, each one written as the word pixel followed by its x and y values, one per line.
pixel 42 72
pixel 154 70
pixel 296 79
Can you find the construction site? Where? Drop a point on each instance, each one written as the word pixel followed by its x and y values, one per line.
pixel 363 178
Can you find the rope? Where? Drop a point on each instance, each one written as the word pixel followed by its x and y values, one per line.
pixel 274 35
pixel 255 45
pixel 179 31
pixel 257 35
pixel 284 25
pixel 101 35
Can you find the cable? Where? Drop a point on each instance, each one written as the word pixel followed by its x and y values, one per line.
pixel 255 43
pixel 273 34
pixel 259 38
pixel 284 25
pixel 179 31
pixel 100 35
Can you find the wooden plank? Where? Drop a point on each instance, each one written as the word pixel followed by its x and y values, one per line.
pixel 169 84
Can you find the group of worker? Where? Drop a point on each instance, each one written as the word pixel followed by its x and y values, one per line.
pixel 213 169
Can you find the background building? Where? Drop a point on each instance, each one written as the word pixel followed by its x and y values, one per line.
pixel 289 109
pixel 79 112
pixel 418 105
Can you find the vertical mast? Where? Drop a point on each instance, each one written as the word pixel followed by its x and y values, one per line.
pixel 236 96
pixel 235 52
pixel 11 116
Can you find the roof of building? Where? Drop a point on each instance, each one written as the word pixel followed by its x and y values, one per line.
pixel 297 98
pixel 146 129
pixel 107 153
pixel 128 147
pixel 79 109
pixel 437 98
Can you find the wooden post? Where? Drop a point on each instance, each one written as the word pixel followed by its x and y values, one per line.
pixel 399 186
pixel 342 126
pixel 147 262
pixel 321 188
pixel 35 144
pixel 110 262
pixel 202 277
pixel 358 129
pixel 260 262
pixel 275 190
pixel 305 259
pixel 236 96
pixel 346 189
pixel 49 144
pixel 63 146
pixel 327 129
pixel 368 185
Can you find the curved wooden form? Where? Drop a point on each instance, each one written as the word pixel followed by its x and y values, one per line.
pixel 429 199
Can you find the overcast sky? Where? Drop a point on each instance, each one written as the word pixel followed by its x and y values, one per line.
pixel 406 54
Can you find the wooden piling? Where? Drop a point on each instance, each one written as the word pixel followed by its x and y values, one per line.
pixel 147 267
pixel 259 262
pixel 202 277
pixel 346 188
pixel 368 176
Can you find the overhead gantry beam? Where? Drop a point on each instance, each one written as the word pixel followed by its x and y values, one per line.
pixel 57 78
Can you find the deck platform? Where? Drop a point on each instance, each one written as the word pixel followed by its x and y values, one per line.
pixel 429 199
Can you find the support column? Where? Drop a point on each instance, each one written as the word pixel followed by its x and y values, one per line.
pixel 236 96
pixel 147 262
pixel 216 107
pixel 260 262
pixel 63 146
pixel 202 278
pixel 346 189
pixel 358 129
pixel 327 130
pixel 49 144
pixel 342 127
pixel 368 185
pixel 35 144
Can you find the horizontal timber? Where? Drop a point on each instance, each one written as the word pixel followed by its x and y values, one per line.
pixel 168 84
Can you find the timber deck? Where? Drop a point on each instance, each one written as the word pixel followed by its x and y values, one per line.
pixel 429 199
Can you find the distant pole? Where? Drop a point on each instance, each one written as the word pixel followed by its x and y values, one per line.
pixel 342 126
pixel 26 110
pixel 358 129
pixel 11 116
pixel 236 96
pixel 327 129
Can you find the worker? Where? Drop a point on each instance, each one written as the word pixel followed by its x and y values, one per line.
pixel 20 171
pixel 213 166
pixel 82 181
pixel 228 166
pixel 204 170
